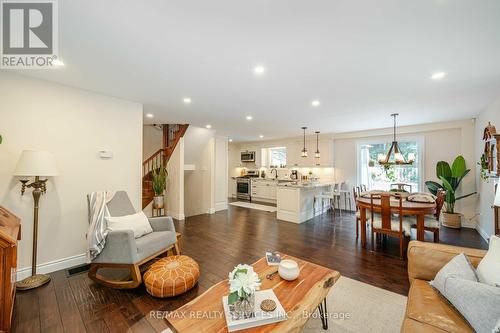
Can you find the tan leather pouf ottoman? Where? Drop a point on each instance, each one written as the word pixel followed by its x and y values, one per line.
pixel 171 276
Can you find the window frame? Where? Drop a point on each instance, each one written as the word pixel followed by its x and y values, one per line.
pixel 419 139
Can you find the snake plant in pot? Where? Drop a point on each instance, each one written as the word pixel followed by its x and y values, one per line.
pixel 159 183
pixel 450 177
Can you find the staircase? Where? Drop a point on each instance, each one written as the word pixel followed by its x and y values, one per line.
pixel 172 133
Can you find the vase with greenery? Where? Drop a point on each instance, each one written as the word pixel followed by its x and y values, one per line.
pixel 450 177
pixel 483 164
pixel 159 176
pixel 243 282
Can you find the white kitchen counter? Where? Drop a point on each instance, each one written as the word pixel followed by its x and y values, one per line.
pixel 295 202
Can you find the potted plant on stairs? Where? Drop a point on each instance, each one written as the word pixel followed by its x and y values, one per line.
pixel 450 177
pixel 159 176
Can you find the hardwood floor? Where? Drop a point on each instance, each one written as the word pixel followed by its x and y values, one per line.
pixel 217 242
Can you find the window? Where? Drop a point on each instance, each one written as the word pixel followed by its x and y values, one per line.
pixel 276 156
pixel 376 176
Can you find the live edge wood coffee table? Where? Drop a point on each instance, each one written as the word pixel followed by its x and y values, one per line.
pixel 299 298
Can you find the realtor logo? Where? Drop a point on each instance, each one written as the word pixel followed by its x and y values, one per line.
pixel 29 34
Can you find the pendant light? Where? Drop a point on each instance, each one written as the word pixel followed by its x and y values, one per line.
pixel 398 156
pixel 317 153
pixel 304 150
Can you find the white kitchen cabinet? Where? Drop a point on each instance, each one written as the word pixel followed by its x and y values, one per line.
pixel 264 189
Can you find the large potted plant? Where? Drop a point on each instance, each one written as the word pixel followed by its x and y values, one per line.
pixel 450 177
pixel 159 183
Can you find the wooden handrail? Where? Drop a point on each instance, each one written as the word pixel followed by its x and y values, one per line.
pixel 172 133
pixel 159 151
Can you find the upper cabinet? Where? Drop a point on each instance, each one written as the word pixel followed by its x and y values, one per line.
pixel 293 153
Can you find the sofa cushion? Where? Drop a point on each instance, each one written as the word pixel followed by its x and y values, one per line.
pixel 460 267
pixel 425 305
pixel 488 270
pixel 154 242
pixel 478 302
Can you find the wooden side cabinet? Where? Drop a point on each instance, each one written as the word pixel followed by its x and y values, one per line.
pixel 10 233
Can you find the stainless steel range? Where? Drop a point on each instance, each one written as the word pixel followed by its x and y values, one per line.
pixel 244 185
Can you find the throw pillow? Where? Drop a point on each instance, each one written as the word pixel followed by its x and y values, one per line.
pixel 459 267
pixel 488 270
pixel 137 222
pixel 422 197
pixel 477 302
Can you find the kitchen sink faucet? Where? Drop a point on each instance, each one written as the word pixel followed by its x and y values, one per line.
pixel 275 172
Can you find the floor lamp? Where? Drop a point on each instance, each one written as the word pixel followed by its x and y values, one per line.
pixel 34 163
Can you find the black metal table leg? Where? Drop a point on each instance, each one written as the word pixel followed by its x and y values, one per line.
pixel 323 314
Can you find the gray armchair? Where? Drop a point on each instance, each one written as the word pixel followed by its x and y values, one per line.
pixel 123 251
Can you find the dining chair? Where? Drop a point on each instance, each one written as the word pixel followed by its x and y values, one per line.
pixel 402 187
pixel 431 222
pixel 362 187
pixel 390 222
pixel 356 191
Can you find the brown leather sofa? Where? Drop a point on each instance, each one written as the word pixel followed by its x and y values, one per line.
pixel 427 310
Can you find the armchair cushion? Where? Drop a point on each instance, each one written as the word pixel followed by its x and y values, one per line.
pixel 137 222
pixel 154 242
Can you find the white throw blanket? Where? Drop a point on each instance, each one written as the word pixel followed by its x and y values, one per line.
pixel 96 235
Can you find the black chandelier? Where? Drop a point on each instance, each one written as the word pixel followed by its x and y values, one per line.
pixel 398 156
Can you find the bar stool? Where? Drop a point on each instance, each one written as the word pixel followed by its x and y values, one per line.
pixel 325 195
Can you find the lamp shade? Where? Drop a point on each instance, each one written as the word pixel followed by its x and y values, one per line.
pixel 36 163
pixel 497 197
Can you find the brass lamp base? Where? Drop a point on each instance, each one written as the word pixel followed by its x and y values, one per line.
pixel 33 282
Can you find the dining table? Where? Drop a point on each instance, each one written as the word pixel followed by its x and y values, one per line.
pixel 410 208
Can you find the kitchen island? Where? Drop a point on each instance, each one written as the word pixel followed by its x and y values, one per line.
pixel 295 201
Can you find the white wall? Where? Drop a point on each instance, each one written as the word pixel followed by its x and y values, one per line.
pixel 221 180
pixel 174 194
pixel 74 125
pixel 151 141
pixel 442 141
pixel 486 189
pixel 199 187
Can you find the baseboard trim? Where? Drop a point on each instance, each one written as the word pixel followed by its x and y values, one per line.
pixel 53 266
pixel 211 211
pixel 220 206
pixel 177 216
pixel 483 233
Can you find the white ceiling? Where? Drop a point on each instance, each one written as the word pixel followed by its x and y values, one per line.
pixel 362 59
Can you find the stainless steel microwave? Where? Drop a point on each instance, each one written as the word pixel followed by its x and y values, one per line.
pixel 247 156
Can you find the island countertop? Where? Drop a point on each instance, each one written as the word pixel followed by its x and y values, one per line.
pixel 305 184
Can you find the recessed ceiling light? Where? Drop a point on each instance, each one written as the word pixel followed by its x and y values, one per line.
pixel 208 126
pixel 315 103
pixel 186 100
pixel 261 136
pixel 150 115
pixel 249 117
pixel 438 75
pixel 57 62
pixel 259 70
